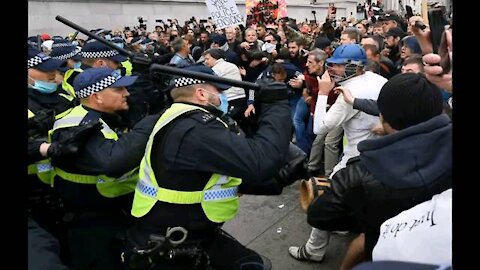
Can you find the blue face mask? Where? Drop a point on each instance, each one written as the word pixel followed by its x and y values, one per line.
pixel 119 45
pixel 44 87
pixel 223 107
pixel 77 65
pixel 223 103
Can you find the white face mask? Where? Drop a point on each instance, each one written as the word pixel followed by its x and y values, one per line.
pixel 268 47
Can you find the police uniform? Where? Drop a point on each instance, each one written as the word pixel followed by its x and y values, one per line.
pixel 97 184
pixel 95 49
pixel 192 169
pixel 63 49
pixel 44 103
pixel 39 98
pixel 143 94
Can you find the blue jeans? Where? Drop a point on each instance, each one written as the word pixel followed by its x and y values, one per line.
pixel 292 102
pixel 303 123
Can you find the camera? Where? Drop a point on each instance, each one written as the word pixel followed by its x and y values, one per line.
pixel 142 23
pixel 141 20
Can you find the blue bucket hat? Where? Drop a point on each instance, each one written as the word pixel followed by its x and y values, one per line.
pixel 39 60
pixel 63 49
pixel 96 49
pixel 94 80
pixel 185 81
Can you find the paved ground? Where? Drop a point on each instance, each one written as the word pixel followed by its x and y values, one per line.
pixel 270 224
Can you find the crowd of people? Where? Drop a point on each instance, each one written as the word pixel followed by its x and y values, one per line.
pixel 132 169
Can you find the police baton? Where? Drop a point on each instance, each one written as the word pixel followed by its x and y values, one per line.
pixel 135 58
pixel 202 76
pixel 157 67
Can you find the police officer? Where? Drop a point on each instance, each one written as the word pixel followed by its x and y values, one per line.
pixel 44 243
pixel 143 94
pixel 97 54
pixel 44 104
pixel 97 184
pixel 42 88
pixel 191 171
pixel 64 50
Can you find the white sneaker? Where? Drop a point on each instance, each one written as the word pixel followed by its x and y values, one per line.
pixel 301 254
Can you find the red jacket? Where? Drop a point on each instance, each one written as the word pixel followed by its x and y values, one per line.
pixel 312 86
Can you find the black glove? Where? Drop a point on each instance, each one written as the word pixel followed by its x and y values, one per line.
pixel 72 139
pixel 41 123
pixel 296 167
pixel 141 59
pixel 271 91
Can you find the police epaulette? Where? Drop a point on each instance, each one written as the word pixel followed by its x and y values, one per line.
pixel 353 160
pixel 202 117
pixel 91 116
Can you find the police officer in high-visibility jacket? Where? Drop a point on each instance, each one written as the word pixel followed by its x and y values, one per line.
pixel 64 50
pixel 96 54
pixel 42 88
pixel 44 104
pixel 97 184
pixel 193 168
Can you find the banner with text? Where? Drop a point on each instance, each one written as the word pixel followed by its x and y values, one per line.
pixel 265 12
pixel 224 13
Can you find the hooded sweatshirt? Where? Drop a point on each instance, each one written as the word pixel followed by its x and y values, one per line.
pixel 413 157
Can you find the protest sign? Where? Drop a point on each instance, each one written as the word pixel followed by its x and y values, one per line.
pixel 224 13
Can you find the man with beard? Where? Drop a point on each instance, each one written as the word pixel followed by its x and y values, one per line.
pixel 297 54
pixel 392 41
pixel 261 32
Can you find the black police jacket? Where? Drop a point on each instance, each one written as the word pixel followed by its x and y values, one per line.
pixel 192 147
pixel 42 105
pixel 392 174
pixel 102 156
pixel 38 101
